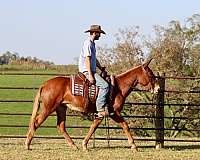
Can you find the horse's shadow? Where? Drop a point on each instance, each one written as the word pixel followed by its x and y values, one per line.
pixel 182 147
pixel 173 148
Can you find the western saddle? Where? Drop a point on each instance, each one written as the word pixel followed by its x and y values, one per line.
pixel 81 86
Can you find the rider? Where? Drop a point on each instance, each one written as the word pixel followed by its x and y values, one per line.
pixel 87 65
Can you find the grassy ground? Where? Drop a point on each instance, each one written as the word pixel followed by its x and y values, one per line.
pixel 58 150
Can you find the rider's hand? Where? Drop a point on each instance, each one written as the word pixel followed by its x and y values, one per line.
pixel 103 69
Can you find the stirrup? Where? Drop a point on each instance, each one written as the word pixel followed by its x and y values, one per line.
pixel 103 114
pixel 107 114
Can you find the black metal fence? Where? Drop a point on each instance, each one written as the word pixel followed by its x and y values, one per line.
pixel 159 117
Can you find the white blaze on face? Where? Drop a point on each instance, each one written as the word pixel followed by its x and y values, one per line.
pixel 156 88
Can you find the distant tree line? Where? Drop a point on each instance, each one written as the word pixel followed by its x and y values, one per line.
pixel 15 59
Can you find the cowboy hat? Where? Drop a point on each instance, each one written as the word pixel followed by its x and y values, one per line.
pixel 95 28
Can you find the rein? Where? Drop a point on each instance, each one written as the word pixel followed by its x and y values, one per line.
pixel 107 130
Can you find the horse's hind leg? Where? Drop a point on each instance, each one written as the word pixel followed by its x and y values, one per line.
pixel 61 118
pixel 38 121
pixel 126 130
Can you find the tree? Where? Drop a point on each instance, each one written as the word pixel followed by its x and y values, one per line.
pixel 126 52
pixel 176 52
pixel 175 47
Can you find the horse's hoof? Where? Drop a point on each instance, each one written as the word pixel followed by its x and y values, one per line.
pixel 74 147
pixel 84 147
pixel 27 146
pixel 134 149
pixel 85 150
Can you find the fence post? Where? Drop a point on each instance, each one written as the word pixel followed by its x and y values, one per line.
pixel 159 114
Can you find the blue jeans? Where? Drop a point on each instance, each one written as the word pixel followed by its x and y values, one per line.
pixel 103 91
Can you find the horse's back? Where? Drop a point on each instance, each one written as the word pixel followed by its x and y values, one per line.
pixel 57 80
pixel 56 86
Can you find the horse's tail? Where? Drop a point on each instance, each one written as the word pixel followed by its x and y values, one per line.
pixel 36 106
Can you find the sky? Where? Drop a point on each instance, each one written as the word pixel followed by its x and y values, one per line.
pixel 53 30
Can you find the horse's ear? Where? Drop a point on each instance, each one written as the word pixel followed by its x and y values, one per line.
pixel 147 63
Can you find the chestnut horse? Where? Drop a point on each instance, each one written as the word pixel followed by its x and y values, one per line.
pixel 56 96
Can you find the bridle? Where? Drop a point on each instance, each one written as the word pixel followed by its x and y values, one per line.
pixel 149 77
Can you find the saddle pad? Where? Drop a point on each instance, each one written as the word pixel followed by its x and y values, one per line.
pixel 79 86
pixel 93 91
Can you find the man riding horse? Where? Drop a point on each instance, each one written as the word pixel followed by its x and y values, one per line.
pixel 57 94
pixel 87 65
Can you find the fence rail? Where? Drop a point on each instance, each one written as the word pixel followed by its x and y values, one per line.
pixel 158 118
pixel 136 116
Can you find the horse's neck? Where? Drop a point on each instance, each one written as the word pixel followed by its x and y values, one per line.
pixel 126 81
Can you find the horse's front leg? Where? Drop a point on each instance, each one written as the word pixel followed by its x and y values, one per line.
pixel 124 125
pixel 92 129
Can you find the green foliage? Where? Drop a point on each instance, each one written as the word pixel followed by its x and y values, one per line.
pixel 126 52
pixel 175 49
pixel 190 112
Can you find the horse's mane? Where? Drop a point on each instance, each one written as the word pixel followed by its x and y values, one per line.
pixel 128 71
